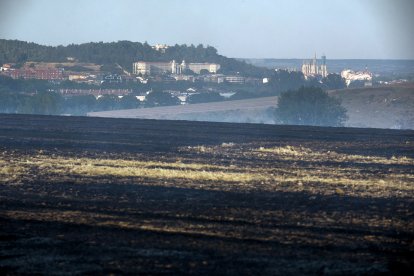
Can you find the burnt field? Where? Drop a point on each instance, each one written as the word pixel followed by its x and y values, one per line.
pixel 100 196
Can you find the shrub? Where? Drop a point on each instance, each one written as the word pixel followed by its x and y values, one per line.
pixel 160 98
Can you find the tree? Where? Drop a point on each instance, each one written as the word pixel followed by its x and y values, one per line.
pixel 189 72
pixel 9 101
pixel 129 102
pixel 334 81
pixel 46 103
pixel 80 105
pixel 107 102
pixel 310 106
pixel 160 98
pixel 123 53
pixel 283 80
pixel 204 72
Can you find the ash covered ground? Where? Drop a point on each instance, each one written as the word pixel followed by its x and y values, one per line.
pixel 98 196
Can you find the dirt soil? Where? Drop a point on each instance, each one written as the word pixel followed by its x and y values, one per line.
pixel 85 195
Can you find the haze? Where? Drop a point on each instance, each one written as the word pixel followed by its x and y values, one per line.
pixel 352 29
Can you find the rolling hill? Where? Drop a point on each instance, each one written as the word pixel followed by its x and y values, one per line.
pixel 379 107
pixel 373 107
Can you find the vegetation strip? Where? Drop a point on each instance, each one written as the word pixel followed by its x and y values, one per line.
pixel 298 178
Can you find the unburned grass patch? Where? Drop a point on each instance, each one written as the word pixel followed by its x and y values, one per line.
pixel 292 152
pixel 275 174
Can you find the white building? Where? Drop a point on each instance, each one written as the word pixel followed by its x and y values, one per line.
pixel 154 68
pixel 351 76
pixel 234 79
pixel 172 67
pixel 210 67
pixel 160 47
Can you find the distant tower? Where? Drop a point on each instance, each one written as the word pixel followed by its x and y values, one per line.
pixel 174 67
pixel 183 66
pixel 324 70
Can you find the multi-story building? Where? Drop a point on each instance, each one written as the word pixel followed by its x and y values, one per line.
pixel 94 92
pixel 41 74
pixel 311 68
pixel 234 79
pixel 153 68
pixel 172 67
pixel 210 67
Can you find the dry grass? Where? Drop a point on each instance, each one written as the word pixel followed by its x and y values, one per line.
pixel 313 178
pixel 62 166
pixel 289 152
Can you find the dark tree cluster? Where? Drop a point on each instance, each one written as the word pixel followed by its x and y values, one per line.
pixel 51 103
pixel 38 97
pixel 160 98
pixel 310 106
pixel 334 81
pixel 282 80
pixel 205 97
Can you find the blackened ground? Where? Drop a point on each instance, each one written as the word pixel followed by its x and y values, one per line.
pixel 146 227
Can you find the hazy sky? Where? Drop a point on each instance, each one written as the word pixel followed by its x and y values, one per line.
pixel 243 28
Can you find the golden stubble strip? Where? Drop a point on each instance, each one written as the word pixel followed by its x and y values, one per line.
pixel 290 152
pixel 53 168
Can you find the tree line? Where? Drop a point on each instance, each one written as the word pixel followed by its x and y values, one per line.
pixel 123 53
pixel 39 97
pixel 52 103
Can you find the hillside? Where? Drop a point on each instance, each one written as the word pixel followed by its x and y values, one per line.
pixel 100 196
pixel 121 52
pixel 379 107
pixel 256 110
pixel 376 107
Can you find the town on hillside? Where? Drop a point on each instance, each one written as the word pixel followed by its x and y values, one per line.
pixel 160 75
pixel 145 72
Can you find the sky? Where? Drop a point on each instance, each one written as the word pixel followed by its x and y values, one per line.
pixel 351 29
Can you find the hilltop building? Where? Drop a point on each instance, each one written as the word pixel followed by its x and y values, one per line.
pixel 160 47
pixel 311 68
pixel 172 67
